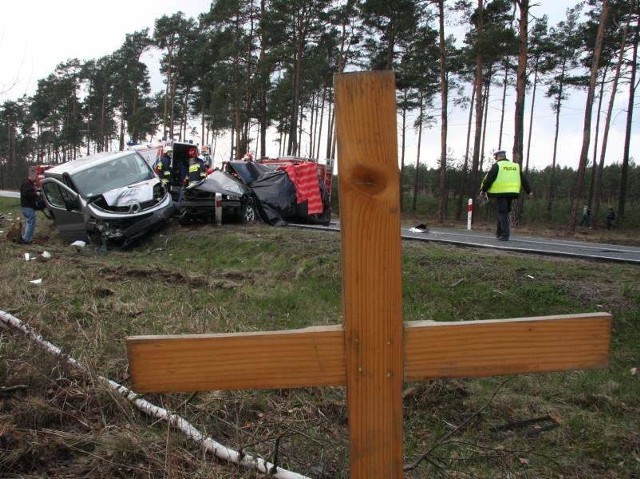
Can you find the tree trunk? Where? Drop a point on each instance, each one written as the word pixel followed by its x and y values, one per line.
pixel 594 169
pixel 479 105
pixel 521 81
pixel 603 150
pixel 121 142
pixel 330 131
pixel 444 99
pixel 203 138
pixel 533 102
pixel 263 86
pixel 167 93
pixel 321 121
pixel 485 117
pixel 248 94
pixel 403 139
pixel 297 84
pixel 577 190
pixel 172 106
pixel 521 85
pixel 415 179
pixel 558 107
pixel 103 127
pixel 624 171
pixel 313 125
pixel 465 167
pixel 504 99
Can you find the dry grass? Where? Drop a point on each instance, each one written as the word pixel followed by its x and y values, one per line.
pixel 56 422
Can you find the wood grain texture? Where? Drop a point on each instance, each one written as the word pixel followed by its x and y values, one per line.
pixel 206 362
pixel 497 347
pixel 371 267
pixel 315 356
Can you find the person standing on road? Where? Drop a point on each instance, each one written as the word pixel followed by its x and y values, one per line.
pixel 28 200
pixel 504 182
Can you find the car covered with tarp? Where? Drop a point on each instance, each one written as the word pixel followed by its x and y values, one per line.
pixel 288 190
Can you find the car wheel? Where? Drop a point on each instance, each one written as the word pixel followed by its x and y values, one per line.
pixel 183 218
pixel 249 214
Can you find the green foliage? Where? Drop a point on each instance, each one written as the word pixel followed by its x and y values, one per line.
pixel 534 211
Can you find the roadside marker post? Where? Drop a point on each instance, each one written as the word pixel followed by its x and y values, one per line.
pixel 218 208
pixel 469 212
pixel 373 353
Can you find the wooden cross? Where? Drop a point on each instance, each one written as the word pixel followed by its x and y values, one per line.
pixel 373 352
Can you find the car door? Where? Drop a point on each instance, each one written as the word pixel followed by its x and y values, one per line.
pixel 66 207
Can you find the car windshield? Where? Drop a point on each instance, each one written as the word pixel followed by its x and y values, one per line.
pixel 117 173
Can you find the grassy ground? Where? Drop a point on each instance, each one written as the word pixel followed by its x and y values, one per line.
pixel 57 422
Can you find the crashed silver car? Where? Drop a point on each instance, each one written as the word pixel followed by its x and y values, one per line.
pixel 107 199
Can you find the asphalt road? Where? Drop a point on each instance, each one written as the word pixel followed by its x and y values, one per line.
pixel 481 239
pixel 521 244
pixel 9 194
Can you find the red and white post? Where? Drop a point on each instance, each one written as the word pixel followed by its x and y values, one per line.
pixel 469 212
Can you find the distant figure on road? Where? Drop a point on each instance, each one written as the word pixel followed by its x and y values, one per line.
pixel 28 200
pixel 504 182
pixel 611 219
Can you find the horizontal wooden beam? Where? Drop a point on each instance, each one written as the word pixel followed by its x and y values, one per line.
pixel 315 356
pixel 497 347
pixel 262 360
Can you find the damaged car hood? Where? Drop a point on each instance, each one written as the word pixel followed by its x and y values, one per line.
pixel 133 194
pixel 220 182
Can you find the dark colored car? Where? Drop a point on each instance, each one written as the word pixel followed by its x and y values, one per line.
pixel 281 199
pixel 198 202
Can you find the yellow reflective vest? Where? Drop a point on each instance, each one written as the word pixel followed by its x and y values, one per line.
pixel 508 179
pixel 195 172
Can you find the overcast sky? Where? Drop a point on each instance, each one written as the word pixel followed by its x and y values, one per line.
pixel 37 35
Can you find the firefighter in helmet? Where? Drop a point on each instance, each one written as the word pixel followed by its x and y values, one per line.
pixel 163 167
pixel 196 168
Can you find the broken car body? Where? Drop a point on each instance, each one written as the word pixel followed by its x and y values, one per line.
pixel 288 189
pixel 198 201
pixel 106 198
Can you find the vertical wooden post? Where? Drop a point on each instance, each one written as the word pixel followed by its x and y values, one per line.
pixel 372 274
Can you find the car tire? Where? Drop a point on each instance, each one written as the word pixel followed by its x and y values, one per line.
pixel 184 219
pixel 249 213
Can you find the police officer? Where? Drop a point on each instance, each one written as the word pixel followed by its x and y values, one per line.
pixel 504 182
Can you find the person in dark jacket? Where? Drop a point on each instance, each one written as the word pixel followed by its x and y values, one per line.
pixel 163 167
pixel 611 219
pixel 28 200
pixel 504 181
pixel 196 171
